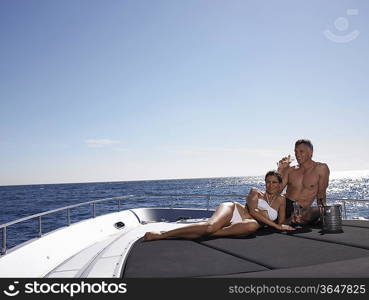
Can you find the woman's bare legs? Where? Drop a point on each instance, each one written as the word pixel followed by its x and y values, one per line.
pixel 219 219
pixel 245 227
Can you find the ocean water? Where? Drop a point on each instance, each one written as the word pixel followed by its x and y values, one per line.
pixel 20 201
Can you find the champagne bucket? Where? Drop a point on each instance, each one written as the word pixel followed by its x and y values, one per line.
pixel 331 218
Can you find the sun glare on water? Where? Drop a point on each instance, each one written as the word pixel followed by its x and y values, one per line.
pixel 356 174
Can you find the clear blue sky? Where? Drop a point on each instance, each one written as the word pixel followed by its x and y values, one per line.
pixel 132 89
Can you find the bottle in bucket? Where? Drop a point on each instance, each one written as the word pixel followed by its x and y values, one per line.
pixel 331 218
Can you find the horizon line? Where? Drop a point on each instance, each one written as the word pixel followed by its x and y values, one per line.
pixel 343 172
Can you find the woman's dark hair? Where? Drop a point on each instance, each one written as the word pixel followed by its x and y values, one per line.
pixel 274 173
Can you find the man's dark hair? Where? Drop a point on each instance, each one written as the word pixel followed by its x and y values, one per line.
pixel 305 142
pixel 274 173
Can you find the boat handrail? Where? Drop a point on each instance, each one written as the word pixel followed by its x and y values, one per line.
pixel 244 195
pixel 67 208
pixel 63 208
pixel 118 199
pixel 343 200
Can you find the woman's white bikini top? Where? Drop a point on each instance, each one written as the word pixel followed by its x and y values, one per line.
pixel 263 205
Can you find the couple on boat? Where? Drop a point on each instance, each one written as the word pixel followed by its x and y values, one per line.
pixel 306 182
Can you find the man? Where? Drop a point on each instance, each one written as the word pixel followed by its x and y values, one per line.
pixel 306 182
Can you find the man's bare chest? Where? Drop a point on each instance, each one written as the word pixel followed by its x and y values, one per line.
pixel 306 180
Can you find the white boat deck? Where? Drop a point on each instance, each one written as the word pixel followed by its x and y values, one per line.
pixel 73 246
pixel 99 248
pixel 105 258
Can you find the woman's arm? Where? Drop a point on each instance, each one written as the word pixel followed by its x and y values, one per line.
pixel 282 214
pixel 282 210
pixel 252 203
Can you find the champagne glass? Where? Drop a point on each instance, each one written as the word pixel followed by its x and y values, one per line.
pixel 290 160
pixel 297 212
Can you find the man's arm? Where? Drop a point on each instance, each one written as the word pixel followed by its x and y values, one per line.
pixel 284 172
pixel 323 184
pixel 284 169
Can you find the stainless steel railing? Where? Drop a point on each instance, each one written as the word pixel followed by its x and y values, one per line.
pixel 344 201
pixel 118 199
pixel 66 208
pixel 208 198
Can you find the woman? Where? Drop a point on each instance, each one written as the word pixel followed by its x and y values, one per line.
pixel 231 218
